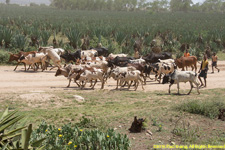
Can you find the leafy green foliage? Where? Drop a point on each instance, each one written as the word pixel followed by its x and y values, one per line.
pixel 4 56
pixel 208 108
pixel 19 41
pixel 10 136
pixel 69 137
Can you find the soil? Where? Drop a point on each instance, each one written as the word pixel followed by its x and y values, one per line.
pixel 30 81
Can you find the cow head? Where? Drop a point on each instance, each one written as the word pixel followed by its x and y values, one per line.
pixel 179 62
pixel 166 79
pixel 13 57
pixel 58 72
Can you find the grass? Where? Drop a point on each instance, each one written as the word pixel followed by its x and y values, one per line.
pixel 115 109
pixel 221 55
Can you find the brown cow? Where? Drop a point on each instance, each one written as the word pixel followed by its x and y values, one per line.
pixel 187 61
pixel 16 57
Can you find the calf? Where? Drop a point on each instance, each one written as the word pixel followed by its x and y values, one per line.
pixel 131 76
pixel 65 72
pixel 16 57
pixel 181 76
pixel 32 59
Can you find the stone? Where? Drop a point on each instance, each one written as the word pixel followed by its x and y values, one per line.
pixel 79 99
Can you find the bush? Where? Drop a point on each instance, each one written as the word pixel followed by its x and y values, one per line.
pixel 4 57
pixel 208 108
pixel 69 137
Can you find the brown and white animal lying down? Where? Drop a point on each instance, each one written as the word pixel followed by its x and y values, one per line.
pixel 33 59
pixel 186 62
pixel 181 76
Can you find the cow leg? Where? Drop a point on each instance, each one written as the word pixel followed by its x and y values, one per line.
pixel 24 66
pixel 91 84
pixel 156 77
pixel 178 88
pixel 192 67
pixel 183 68
pixel 69 83
pixel 94 84
pixel 130 84
pixel 141 83
pixel 170 87
pixel 83 84
pixel 186 68
pixel 77 83
pixel 197 85
pixel 159 79
pixel 191 87
pixel 136 84
pixel 143 78
pixel 17 66
pixel 117 84
pixel 195 67
pixel 103 82
pixel 29 67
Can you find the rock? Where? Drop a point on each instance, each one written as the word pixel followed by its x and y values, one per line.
pixel 120 126
pixel 173 143
pixel 115 129
pixel 79 99
pixel 151 138
pixel 133 138
pixel 149 132
pixel 160 141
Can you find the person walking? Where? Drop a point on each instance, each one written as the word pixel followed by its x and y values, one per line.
pixel 203 71
pixel 214 62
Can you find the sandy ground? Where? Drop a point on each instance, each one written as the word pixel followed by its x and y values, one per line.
pixel 20 81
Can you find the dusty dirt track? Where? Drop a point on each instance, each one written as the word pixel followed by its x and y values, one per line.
pixel 20 81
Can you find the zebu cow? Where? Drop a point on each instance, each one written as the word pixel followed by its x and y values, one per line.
pixel 181 76
pixel 154 57
pixel 187 61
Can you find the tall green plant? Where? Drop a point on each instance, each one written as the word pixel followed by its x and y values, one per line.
pixel 74 36
pixel 19 41
pixel 7 36
pixel 45 35
pixel 16 138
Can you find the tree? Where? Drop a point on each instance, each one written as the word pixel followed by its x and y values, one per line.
pixel 7 2
pixel 180 5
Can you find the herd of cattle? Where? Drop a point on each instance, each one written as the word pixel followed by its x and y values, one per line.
pixel 85 66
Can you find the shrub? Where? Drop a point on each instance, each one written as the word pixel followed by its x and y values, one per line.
pixel 69 137
pixel 4 57
pixel 208 108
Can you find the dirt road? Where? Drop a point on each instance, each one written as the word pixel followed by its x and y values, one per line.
pixel 20 81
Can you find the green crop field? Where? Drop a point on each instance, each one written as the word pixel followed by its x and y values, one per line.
pixel 25 28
